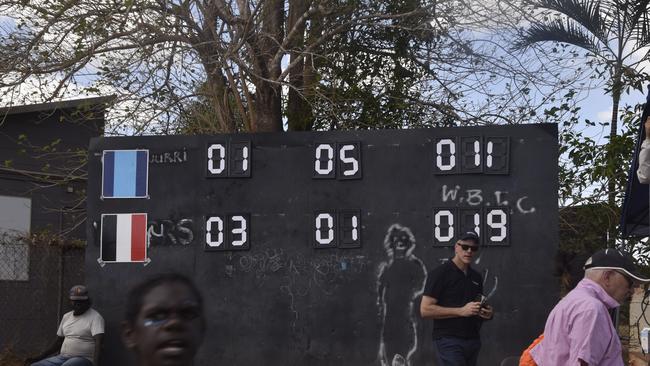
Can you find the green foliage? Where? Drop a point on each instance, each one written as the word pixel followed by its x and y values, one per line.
pixel 610 31
pixel 221 66
pixel 43 237
pixel 587 168
pixel 371 77
pixel 613 33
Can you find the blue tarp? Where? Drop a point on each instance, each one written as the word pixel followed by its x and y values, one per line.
pixel 634 215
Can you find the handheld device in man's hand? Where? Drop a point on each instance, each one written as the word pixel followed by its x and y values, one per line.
pixel 482 299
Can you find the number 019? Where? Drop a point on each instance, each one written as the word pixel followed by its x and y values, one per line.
pixel 450 223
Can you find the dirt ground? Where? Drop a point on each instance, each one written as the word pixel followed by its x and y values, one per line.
pixel 639 359
pixel 8 358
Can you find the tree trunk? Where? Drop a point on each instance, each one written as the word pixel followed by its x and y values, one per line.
pixel 268 93
pixel 299 112
pixel 217 94
pixel 268 108
pixel 611 159
pixel 216 89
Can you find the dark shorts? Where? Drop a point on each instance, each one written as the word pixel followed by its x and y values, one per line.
pixel 452 351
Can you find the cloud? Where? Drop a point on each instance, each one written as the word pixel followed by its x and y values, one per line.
pixel 604 116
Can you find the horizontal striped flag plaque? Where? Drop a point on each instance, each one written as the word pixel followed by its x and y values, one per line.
pixel 125 174
pixel 123 238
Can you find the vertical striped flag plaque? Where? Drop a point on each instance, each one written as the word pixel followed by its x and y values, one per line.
pixel 125 174
pixel 123 238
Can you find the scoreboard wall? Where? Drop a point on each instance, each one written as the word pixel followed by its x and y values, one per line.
pixel 301 240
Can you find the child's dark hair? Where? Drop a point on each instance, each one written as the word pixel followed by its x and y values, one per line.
pixel 138 292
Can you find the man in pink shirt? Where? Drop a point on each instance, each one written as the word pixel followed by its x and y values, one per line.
pixel 579 330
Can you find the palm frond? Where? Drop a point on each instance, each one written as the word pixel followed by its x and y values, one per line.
pixel 644 58
pixel 638 22
pixel 557 31
pixel 587 13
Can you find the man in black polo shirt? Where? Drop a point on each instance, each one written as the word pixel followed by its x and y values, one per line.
pixel 452 297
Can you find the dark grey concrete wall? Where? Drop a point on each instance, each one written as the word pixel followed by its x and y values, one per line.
pixel 284 302
pixel 30 310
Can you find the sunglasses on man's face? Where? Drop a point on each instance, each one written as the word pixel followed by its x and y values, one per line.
pixel 465 247
pixel 630 282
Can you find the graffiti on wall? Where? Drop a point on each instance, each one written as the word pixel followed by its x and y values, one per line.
pixel 170 232
pixel 476 197
pixel 400 283
pixel 168 157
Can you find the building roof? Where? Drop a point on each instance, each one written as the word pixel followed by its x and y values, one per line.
pixel 66 104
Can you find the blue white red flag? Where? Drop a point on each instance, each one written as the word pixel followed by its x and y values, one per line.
pixel 124 238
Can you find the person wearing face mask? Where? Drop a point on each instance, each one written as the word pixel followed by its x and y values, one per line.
pixel 579 330
pixel 453 298
pixel 79 337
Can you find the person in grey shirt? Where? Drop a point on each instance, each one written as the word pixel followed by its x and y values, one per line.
pixel 79 335
pixel 644 156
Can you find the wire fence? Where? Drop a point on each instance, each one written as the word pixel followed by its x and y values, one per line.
pixel 34 280
pixel 639 320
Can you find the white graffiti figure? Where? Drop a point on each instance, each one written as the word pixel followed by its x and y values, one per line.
pixel 400 283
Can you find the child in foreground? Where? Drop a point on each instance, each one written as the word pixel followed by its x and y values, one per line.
pixel 164 322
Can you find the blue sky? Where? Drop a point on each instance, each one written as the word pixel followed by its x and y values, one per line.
pixel 597 107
